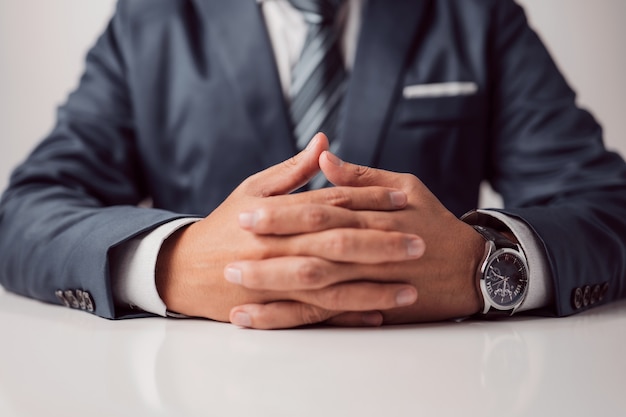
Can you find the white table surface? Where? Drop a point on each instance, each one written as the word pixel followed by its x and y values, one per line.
pixel 60 362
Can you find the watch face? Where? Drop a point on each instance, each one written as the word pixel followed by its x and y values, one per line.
pixel 506 278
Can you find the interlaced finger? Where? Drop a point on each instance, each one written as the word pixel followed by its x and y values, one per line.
pixel 354 198
pixel 291 273
pixel 364 246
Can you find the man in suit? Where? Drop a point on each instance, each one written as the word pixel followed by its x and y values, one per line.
pixel 191 104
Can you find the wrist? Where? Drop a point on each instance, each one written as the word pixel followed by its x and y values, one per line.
pixel 477 243
pixel 471 250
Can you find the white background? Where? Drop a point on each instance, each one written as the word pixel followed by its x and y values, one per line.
pixel 43 43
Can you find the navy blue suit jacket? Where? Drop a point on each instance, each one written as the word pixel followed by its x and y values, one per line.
pixel 180 101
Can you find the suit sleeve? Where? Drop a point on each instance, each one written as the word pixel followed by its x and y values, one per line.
pixel 550 165
pixel 75 197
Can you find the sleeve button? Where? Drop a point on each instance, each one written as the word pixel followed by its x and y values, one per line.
pixel 604 290
pixel 89 304
pixel 595 294
pixel 71 298
pixel 577 298
pixel 61 298
pixel 80 295
pixel 587 295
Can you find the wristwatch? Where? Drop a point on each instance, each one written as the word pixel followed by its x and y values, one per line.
pixel 502 275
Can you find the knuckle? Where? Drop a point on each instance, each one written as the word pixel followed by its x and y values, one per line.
pixel 411 181
pixel 311 315
pixel 316 217
pixel 384 222
pixel 389 243
pixel 379 196
pixel 361 170
pixel 338 244
pixel 263 191
pixel 362 221
pixel 332 298
pixel 338 197
pixel 248 185
pixel 309 275
pixel 291 169
pixel 290 162
pixel 254 185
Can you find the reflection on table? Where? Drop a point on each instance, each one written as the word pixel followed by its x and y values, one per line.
pixel 55 361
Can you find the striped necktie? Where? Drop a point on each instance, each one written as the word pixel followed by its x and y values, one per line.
pixel 318 79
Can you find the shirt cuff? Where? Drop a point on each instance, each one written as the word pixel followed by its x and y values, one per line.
pixel 540 291
pixel 133 268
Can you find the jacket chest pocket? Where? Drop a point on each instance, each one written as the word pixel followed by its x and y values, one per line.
pixel 466 107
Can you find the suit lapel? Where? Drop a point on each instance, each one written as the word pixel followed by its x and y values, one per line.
pixel 237 30
pixel 388 31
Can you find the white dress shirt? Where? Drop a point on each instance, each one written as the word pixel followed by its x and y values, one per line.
pixel 133 271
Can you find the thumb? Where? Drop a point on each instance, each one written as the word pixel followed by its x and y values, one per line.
pixel 291 174
pixel 342 173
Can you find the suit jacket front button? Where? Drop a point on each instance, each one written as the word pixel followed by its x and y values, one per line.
pixel 61 297
pixel 577 298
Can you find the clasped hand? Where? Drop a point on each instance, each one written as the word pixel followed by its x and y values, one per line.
pixel 376 248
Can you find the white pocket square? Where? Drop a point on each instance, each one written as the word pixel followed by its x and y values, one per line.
pixel 440 90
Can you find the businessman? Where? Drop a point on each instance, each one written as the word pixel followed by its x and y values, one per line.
pixel 200 106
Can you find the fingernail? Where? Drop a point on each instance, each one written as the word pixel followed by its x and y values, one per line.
pixel 406 297
pixel 312 142
pixel 233 275
pixel 415 248
pixel 242 319
pixel 249 219
pixel 372 319
pixel 333 159
pixel 398 198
